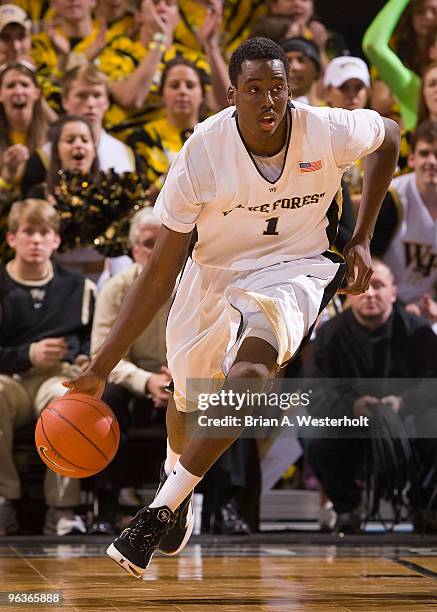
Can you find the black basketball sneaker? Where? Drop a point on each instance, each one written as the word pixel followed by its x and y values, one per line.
pixel 179 532
pixel 134 547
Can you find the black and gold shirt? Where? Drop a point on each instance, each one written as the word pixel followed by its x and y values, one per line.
pixel 238 18
pixel 120 59
pixel 157 143
pixel 38 11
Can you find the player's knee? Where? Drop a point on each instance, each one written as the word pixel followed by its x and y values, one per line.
pixel 244 369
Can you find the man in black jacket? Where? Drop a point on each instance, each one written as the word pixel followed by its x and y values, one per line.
pixel 374 339
pixel 45 324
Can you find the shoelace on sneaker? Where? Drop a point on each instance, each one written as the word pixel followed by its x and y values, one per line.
pixel 139 540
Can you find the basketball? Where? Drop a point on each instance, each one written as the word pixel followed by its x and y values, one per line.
pixel 77 435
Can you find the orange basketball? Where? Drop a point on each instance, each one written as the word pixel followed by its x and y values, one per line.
pixel 77 435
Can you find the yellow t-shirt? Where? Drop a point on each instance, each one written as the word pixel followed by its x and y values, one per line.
pixel 46 56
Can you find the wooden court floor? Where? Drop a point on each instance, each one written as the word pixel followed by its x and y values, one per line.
pixel 223 578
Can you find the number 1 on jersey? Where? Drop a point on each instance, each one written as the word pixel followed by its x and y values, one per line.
pixel 271 227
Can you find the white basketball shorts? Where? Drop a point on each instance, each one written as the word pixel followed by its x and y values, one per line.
pixel 214 310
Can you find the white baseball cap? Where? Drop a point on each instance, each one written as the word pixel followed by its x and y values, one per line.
pixel 11 13
pixel 346 67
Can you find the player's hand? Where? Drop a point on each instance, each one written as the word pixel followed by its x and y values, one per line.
pixel 155 387
pixel 87 382
pixel 47 352
pixel 363 405
pixel 359 267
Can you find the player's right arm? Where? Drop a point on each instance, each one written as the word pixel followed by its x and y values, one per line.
pixel 148 294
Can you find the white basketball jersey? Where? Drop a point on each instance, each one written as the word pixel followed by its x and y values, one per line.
pixel 412 254
pixel 246 222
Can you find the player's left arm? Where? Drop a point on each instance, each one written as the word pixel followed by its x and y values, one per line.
pixel 379 168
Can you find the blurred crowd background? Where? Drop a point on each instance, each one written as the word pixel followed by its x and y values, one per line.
pixel 96 99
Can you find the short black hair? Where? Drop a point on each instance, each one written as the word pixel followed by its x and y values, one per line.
pixel 257 48
pixel 426 131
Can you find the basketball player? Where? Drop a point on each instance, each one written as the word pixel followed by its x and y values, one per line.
pixel 259 180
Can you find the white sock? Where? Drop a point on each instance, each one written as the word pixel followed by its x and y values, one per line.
pixel 170 460
pixel 176 488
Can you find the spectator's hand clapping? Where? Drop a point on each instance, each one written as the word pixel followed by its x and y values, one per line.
pixel 413 309
pixel 13 160
pixel 428 307
pixel 395 402
pixel 363 405
pixel 164 23
pixel 61 43
pixel 320 34
pixel 155 387
pixel 209 32
pixel 296 28
pixel 47 352
pixel 97 45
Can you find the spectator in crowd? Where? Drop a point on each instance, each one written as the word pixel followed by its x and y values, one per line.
pixel 116 17
pixel 400 67
pixel 16 46
pixel 347 85
pixel 23 128
pixel 427 110
pixel 135 67
pixel 84 94
pixel 302 20
pixel 45 324
pixel 72 148
pixel 304 61
pixel 70 38
pixel 274 27
pixel 38 11
pixel 142 376
pixel 374 338
pixel 405 235
pixel 428 93
pixel 157 142
pixel 15 34
pixel 238 18
pixel 209 38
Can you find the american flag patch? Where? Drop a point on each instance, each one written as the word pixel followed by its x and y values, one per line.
pixel 305 167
